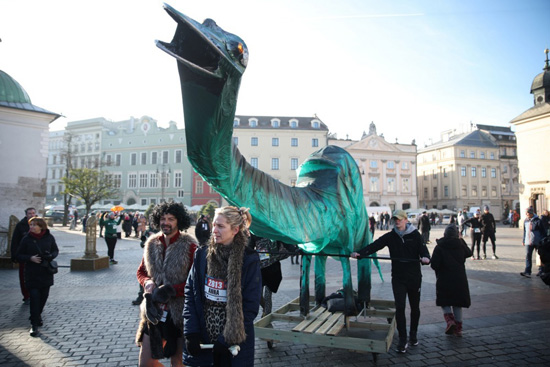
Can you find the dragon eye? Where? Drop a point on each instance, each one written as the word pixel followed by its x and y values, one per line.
pixel 238 51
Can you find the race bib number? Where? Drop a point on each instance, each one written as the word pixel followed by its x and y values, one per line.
pixel 264 256
pixel 215 289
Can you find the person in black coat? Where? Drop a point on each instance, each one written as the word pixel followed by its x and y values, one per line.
pixel 452 291
pixel 36 250
pixel 20 231
pixel 424 227
pixel 202 230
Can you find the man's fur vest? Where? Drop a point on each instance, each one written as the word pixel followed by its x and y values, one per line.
pixel 168 268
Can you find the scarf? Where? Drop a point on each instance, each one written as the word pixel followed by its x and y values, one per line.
pixel 38 235
pixel 226 261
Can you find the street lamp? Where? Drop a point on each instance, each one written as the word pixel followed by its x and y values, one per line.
pixel 164 172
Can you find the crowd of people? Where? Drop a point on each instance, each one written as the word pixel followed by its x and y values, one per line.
pixel 199 294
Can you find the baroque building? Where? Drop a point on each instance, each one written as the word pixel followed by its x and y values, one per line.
pixel 533 135
pixel 388 170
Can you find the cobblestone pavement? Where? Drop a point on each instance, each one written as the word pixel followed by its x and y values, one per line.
pixel 89 319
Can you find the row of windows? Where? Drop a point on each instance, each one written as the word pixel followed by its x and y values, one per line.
pixel 473 172
pixel 275 141
pixel 464 191
pixel 391 184
pixel 154 158
pixel 482 154
pixel 389 164
pixel 151 180
pixel 275 163
pixel 276 123
pixel 463 172
pixel 86 147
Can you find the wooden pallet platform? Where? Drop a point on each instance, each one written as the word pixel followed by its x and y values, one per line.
pixel 371 331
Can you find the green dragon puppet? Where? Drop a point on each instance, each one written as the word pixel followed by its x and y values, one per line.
pixel 324 213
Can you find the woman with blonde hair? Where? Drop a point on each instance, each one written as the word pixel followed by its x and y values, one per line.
pixel 36 250
pixel 222 295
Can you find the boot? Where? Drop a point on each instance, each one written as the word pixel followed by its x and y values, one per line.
pixel 34 331
pixel 451 324
pixel 458 329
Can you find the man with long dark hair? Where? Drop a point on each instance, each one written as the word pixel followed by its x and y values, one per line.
pixel 167 258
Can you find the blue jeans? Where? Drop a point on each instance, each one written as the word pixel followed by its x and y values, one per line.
pixel 528 258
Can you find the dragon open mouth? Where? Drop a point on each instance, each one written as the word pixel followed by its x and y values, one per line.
pixel 204 47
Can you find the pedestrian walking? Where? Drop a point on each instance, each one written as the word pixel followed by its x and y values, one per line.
pixel 462 217
pixel 127 224
pixel 167 258
pixel 222 295
pixel 20 231
pixel 36 250
pixel 533 233
pixel 452 290
pixel 475 234
pixel 111 227
pixel 203 230
pixel 424 227
pixel 408 250
pixel 488 230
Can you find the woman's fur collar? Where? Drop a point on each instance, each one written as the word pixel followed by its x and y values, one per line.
pixel 227 261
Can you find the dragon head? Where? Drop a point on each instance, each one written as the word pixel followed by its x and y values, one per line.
pixel 205 48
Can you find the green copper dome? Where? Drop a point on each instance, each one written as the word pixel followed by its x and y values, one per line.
pixel 11 90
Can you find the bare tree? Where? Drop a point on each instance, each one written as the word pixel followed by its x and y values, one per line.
pixel 89 185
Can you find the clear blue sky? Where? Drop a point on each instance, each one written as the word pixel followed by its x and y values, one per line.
pixel 413 67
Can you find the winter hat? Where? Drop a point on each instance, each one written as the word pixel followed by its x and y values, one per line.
pixel 486 207
pixel 530 210
pixel 451 231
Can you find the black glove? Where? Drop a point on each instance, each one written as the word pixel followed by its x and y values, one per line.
pixel 163 293
pixel 222 355
pixel 193 344
pixel 151 311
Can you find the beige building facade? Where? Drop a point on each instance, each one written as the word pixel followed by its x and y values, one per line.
pixel 533 134
pixel 461 171
pixel 279 145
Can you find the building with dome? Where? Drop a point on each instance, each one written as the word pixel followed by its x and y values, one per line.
pixel 23 150
pixel 533 135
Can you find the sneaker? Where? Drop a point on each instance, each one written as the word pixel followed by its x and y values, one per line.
pixel 413 341
pixel 113 261
pixel 525 275
pixel 484 257
pixel 402 347
pixel 495 257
